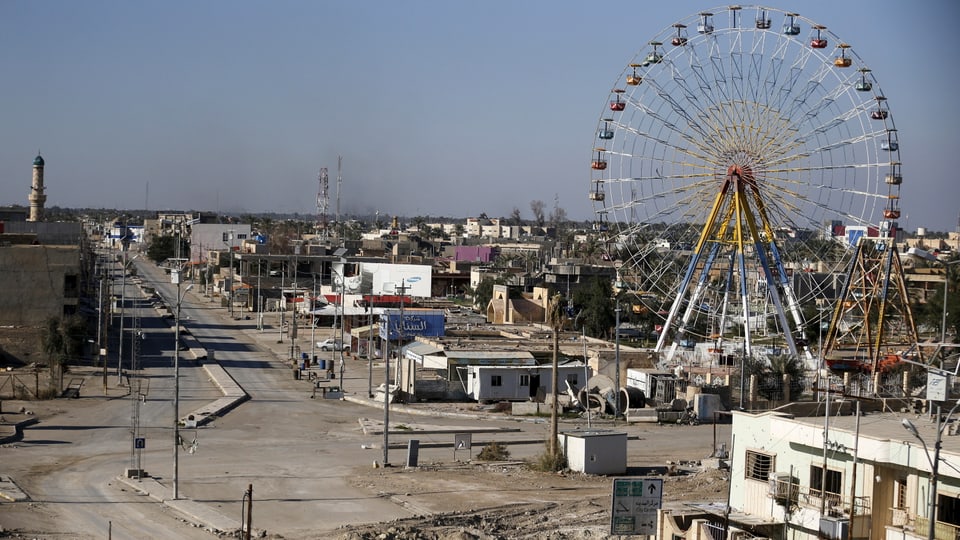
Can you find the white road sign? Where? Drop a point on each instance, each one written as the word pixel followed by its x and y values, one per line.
pixel 635 505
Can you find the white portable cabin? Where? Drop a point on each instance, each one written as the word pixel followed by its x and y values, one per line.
pixel 595 452
pixel 488 383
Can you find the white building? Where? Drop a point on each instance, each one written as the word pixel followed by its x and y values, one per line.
pixel 206 237
pixel 521 382
pixel 876 483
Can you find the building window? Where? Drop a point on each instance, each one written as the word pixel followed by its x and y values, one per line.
pixel 71 286
pixel 900 493
pixel 241 236
pixel 524 380
pixel 833 487
pixel 758 466
pixel 496 380
pixel 572 379
pixel 948 509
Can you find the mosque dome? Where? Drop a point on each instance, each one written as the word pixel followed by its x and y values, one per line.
pixel 38 161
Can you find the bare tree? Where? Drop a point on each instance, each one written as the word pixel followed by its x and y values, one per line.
pixel 558 217
pixel 537 206
pixel 515 216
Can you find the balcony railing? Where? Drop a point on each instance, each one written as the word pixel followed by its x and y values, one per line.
pixel 903 518
pixel 836 505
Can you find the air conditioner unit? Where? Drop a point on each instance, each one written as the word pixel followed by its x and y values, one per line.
pixel 781 487
pixel 834 528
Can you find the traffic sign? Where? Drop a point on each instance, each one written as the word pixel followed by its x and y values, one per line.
pixel 140 443
pixel 635 505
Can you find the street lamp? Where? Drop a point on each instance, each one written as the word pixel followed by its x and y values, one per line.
pixel 616 338
pixel 123 300
pixel 231 287
pixel 176 389
pixel 934 464
pixel 341 290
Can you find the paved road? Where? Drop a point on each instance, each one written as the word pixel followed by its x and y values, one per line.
pixel 301 454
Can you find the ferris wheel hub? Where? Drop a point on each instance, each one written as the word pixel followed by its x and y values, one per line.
pixel 743 172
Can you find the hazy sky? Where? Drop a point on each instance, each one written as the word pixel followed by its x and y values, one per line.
pixel 439 108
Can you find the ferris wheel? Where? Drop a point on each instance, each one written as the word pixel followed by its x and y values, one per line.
pixel 742 153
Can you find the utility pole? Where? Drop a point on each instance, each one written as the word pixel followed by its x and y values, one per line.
pixel 123 290
pixel 369 347
pixel 313 319
pixel 386 396
pixel 616 396
pixel 403 291
pixel 283 307
pixel 177 278
pixel 259 305
pixel 343 280
pixel 100 356
pixel 247 524
pixel 230 287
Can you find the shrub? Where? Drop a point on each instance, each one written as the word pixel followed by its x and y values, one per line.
pixel 493 451
pixel 548 462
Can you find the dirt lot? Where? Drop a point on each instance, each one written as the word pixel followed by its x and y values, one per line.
pixel 508 500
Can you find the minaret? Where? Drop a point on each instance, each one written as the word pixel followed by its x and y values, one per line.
pixel 37 196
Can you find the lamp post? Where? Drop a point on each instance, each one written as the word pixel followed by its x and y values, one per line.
pixel 123 300
pixel 281 309
pixel 230 288
pixel 313 319
pixel 370 347
pixel 386 395
pixel 176 389
pixel 934 465
pixel 340 289
pixel 616 395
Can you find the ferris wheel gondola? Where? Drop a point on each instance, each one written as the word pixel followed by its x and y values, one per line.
pixel 843 61
pixel 680 39
pixel 634 79
pixel 863 85
pixel 818 42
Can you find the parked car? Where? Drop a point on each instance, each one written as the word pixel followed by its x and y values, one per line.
pixel 332 344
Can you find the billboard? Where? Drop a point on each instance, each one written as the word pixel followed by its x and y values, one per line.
pixel 385 278
pixel 416 322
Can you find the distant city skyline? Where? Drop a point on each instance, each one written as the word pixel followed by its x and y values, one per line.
pixel 437 109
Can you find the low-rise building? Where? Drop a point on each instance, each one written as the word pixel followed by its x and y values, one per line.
pixel 846 477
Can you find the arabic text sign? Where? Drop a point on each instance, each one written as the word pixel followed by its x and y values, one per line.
pixel 635 505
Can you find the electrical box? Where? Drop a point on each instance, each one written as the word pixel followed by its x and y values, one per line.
pixel 834 528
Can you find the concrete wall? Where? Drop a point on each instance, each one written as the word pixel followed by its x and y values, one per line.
pixel 33 284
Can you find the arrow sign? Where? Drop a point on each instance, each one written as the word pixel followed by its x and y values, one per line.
pixel 635 505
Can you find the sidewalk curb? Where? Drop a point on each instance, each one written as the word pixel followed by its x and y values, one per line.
pixel 199 513
pixel 17 434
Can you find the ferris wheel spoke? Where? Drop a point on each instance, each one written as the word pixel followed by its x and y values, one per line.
pixel 827 148
pixel 669 143
pixel 800 106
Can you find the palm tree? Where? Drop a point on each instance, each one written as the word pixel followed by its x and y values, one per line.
pixel 556 316
pixel 419 222
pixel 61 339
pixel 53 345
